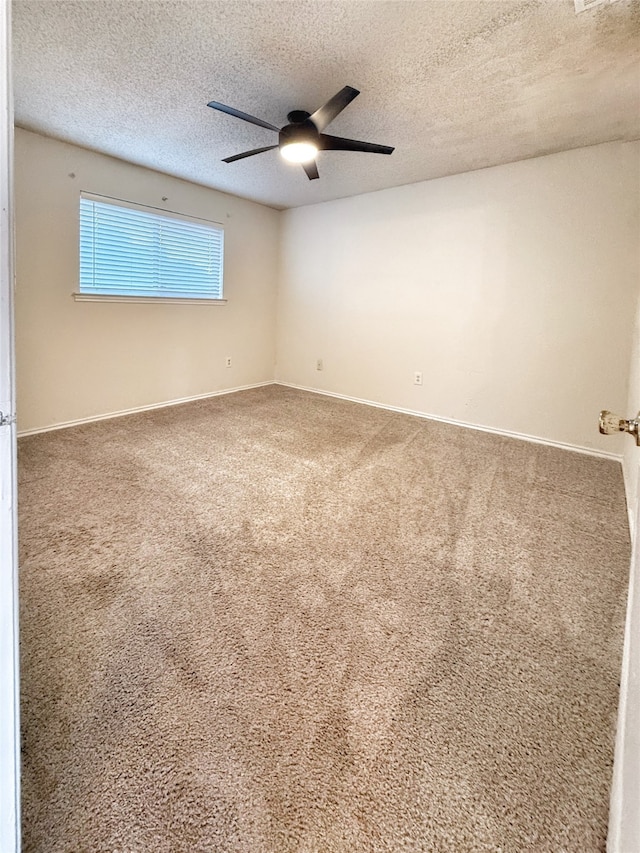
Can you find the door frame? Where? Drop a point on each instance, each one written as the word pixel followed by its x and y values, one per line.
pixel 9 663
pixel 624 811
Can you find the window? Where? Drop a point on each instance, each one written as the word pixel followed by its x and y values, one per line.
pixel 138 252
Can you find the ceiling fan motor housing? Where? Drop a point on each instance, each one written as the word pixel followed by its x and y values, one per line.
pixel 303 130
pixel 297 116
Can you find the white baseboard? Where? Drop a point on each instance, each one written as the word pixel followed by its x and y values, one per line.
pixel 136 409
pixel 576 448
pixel 632 522
pixel 495 431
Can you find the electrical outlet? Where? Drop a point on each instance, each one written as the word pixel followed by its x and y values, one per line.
pixel 319 364
pixel 227 361
pixel 417 377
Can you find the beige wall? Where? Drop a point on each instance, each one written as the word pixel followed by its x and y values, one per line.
pixel 78 360
pixel 512 289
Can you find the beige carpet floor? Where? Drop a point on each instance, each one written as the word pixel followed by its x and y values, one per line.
pixel 274 622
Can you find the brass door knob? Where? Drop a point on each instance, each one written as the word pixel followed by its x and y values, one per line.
pixel 610 424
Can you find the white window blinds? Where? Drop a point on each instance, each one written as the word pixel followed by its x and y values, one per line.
pixel 128 250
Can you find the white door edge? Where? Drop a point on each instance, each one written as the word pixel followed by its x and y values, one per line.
pixel 624 811
pixel 9 691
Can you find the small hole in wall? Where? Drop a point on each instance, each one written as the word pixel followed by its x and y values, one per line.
pixel 72 174
pixel 165 198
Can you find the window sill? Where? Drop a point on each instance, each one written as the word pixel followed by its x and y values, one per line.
pixel 166 300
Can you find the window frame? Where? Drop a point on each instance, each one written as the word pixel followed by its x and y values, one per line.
pixel 171 215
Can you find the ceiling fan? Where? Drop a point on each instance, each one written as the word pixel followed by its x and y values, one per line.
pixel 302 138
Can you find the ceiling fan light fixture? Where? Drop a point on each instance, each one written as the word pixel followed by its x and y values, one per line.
pixel 299 152
pixel 301 139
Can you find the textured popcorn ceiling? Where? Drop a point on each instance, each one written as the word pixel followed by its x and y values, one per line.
pixel 454 85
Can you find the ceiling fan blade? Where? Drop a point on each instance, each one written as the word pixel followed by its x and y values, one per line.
pixel 247 154
pixel 311 169
pixel 244 116
pixel 338 143
pixel 333 107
